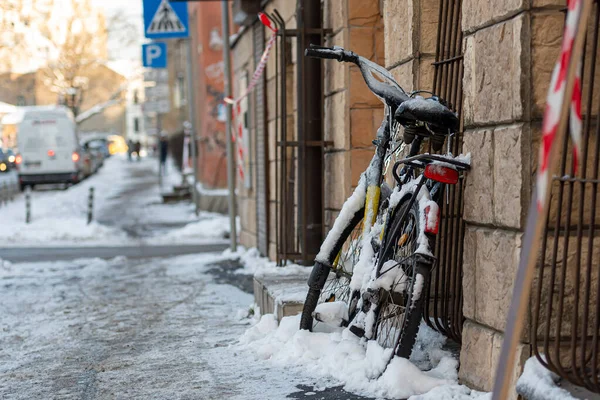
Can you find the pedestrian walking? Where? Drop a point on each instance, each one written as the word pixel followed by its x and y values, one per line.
pixel 129 148
pixel 138 149
pixel 163 148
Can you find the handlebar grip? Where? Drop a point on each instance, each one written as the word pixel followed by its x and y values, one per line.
pixel 322 53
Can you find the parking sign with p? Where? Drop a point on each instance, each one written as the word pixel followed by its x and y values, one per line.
pixel 154 55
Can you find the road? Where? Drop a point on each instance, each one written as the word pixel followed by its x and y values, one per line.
pixel 136 321
pixel 32 254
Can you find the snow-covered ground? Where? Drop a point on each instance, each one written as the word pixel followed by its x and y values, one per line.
pixel 340 358
pixel 126 195
pixel 125 329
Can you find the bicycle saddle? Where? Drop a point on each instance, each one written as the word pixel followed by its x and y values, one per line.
pixel 430 111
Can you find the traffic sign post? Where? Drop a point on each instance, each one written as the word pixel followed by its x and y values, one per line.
pixel 154 55
pixel 164 20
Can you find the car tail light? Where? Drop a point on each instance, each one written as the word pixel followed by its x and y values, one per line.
pixel 18 159
pixel 441 173
pixel 51 153
pixel 75 157
pixel 432 220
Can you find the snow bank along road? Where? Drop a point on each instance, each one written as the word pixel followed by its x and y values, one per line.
pixel 128 211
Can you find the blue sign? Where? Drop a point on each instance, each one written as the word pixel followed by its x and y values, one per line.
pixel 164 20
pixel 154 55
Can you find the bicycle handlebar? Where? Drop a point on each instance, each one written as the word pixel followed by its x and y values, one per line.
pixel 386 88
pixel 332 53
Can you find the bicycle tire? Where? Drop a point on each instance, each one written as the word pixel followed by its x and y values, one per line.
pixel 315 294
pixel 398 313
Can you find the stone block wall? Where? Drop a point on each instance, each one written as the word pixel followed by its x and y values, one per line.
pixel 352 112
pixel 509 50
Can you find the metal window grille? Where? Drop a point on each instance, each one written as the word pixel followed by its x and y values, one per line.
pixel 262 182
pixel 443 311
pixel 565 323
pixel 299 172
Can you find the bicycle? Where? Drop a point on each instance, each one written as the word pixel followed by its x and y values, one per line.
pixel 375 262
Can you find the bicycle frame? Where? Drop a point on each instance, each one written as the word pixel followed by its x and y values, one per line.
pixel 374 173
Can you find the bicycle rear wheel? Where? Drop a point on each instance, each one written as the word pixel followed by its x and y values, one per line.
pixel 399 310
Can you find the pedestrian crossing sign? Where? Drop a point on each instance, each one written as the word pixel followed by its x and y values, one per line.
pixel 165 20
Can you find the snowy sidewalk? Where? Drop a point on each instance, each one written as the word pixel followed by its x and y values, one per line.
pixel 127 211
pixel 131 329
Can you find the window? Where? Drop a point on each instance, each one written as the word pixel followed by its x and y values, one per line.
pixel 136 125
pixel 136 98
pixel 180 93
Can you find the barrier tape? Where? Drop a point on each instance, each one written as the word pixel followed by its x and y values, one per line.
pixel 555 98
pixel 236 112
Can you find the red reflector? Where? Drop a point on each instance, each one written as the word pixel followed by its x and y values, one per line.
pixel 51 153
pixel 441 173
pixel 432 221
pixel 75 157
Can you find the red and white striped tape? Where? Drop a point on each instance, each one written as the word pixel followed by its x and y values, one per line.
pixel 236 108
pixel 556 94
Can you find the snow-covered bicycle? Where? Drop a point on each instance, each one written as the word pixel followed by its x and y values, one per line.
pixel 374 265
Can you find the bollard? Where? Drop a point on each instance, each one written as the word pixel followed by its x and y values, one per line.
pixel 90 206
pixel 7 193
pixel 27 206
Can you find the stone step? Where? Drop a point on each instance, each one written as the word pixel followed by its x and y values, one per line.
pixel 281 294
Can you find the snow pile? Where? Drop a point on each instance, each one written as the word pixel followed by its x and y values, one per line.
pixel 210 226
pixel 357 364
pixel 58 216
pixel 257 265
pixel 452 392
pixel 51 230
pixel 539 383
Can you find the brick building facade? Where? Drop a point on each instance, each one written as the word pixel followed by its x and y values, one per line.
pixel 508 50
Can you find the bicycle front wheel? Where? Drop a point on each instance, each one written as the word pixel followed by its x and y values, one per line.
pixel 337 285
pixel 400 306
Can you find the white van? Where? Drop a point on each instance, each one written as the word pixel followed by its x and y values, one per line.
pixel 46 142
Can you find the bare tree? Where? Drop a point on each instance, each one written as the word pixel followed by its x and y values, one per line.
pixel 78 43
pixel 67 40
pixel 13 23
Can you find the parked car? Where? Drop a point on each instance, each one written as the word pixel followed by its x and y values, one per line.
pixel 116 144
pixel 5 165
pixel 12 158
pixel 87 167
pixel 48 144
pixel 93 156
pixel 102 146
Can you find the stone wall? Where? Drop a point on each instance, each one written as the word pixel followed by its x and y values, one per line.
pixel 509 51
pixel 352 112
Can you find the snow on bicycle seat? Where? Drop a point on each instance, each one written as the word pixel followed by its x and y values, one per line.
pixel 429 110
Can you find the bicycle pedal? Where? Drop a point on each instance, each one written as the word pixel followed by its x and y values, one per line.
pixel 357 331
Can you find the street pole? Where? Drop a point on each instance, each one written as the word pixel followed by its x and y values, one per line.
pixel 230 160
pixel 158 144
pixel 191 109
